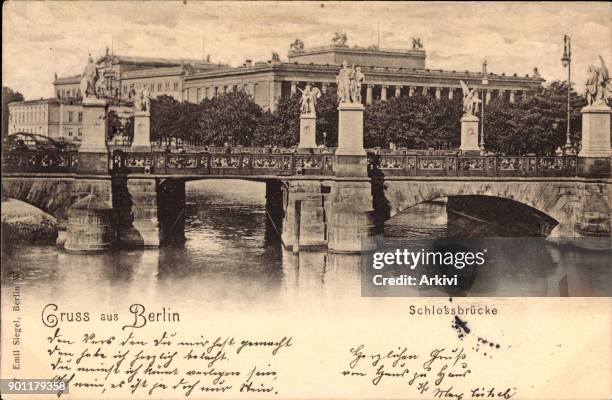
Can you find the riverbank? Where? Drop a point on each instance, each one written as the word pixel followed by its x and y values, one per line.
pixel 22 222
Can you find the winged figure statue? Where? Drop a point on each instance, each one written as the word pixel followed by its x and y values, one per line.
pixel 598 84
pixel 470 99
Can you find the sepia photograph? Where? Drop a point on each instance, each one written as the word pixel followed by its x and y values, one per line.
pixel 306 200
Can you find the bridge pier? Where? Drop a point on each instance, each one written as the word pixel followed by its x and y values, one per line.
pixel 135 204
pixel 351 222
pixel 304 222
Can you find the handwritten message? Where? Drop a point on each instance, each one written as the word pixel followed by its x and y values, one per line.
pixel 165 363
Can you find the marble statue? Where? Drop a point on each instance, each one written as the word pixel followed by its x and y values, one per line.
pixel 142 101
pixel 349 81
pixel 343 80
pixel 339 39
pixel 309 98
pixel 275 57
pixel 356 83
pixel 89 80
pixel 598 84
pixel 297 46
pixel 470 99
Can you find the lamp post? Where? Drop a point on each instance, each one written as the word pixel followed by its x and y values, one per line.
pixel 567 62
pixel 485 82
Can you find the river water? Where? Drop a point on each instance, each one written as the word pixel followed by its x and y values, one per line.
pixel 232 260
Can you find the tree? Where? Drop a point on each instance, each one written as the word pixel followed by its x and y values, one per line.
pixel 280 128
pixel 536 125
pixel 8 96
pixel 414 122
pixel 166 118
pixel 230 118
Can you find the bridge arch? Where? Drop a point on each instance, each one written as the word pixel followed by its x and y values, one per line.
pixel 54 195
pixel 558 200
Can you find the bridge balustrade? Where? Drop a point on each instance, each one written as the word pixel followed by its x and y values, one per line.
pixel 463 165
pixel 285 162
pixel 40 161
pixel 223 164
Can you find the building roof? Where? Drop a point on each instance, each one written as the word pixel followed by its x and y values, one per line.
pixel 391 72
pixel 68 79
pixel 420 53
pixel 32 102
pixel 153 61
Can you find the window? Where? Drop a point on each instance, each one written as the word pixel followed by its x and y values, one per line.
pixel 125 89
pixel 167 86
pixel 69 132
pixel 80 117
pixel 176 86
pixel 80 132
pixel 70 116
pixel 159 87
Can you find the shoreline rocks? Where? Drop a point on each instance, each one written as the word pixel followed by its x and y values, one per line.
pixel 22 222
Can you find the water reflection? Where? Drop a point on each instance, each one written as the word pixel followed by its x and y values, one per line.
pixel 229 260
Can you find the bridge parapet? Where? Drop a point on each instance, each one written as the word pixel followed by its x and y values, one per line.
pixel 287 162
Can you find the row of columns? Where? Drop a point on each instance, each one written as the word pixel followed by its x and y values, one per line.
pixel 384 91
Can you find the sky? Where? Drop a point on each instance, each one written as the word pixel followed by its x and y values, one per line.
pixel 43 38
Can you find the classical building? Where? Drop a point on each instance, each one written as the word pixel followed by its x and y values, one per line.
pixel 389 72
pixel 54 118
pixel 122 76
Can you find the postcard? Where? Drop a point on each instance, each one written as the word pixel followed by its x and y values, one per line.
pixel 306 200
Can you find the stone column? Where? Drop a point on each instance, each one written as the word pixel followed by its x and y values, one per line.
pixel 469 133
pixel 275 94
pixel 425 90
pixel 512 94
pixel 369 94
pixel 450 93
pixel 324 87
pixel 93 153
pixel 142 131
pixel 500 93
pixel 293 88
pixel 438 93
pixel 308 129
pixel 398 91
pixel 410 91
pixel 524 96
pixel 351 157
pixel 383 92
pixel 487 96
pixel 595 152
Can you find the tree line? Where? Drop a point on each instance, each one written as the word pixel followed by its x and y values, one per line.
pixel 536 124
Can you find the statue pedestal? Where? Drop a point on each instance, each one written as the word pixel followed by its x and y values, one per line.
pixel 595 130
pixel 351 158
pixel 308 130
pixel 93 153
pixel 142 131
pixel 469 133
pixel 594 156
pixel 94 126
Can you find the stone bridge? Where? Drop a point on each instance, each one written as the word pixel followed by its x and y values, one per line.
pixel 334 198
pixel 308 204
